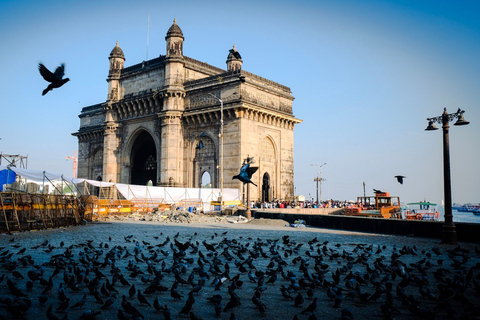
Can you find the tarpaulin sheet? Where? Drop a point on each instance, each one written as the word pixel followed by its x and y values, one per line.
pixel 168 194
pixel 7 177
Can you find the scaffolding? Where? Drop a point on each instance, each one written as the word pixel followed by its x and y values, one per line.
pixel 14 160
pixel 29 211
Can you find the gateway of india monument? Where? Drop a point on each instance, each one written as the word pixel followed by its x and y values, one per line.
pixel 161 122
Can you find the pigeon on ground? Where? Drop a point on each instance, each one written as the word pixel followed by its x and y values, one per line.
pixel 246 173
pixel 56 79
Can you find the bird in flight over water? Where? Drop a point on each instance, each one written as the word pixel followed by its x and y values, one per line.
pixel 56 79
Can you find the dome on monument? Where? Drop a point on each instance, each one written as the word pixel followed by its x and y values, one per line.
pixel 117 52
pixel 175 30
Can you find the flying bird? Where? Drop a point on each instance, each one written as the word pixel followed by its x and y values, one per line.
pixel 56 79
pixel 400 179
pixel 246 173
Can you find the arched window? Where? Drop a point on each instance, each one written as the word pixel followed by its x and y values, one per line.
pixel 267 150
pixel 268 167
pixel 204 160
pixel 206 180
pixel 98 158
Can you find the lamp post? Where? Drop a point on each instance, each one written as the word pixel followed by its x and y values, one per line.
pixel 221 150
pixel 449 234
pixel 248 213
pixel 319 179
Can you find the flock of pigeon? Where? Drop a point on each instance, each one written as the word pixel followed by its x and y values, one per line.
pixel 220 276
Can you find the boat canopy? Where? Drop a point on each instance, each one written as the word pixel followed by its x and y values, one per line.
pixel 422 203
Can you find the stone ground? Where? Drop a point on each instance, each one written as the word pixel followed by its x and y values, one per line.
pixel 350 275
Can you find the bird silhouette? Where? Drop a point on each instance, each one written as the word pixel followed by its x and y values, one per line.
pixel 246 173
pixel 235 53
pixel 89 314
pixel 63 305
pixel 56 79
pixel 299 300
pixel 400 179
pixel 80 303
pixel 312 307
pixel 108 302
pixel 14 290
pixel 142 298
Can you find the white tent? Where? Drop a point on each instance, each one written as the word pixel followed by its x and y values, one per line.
pixel 168 195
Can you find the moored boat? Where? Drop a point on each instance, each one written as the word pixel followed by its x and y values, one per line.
pixel 476 211
pixel 422 210
pixel 464 208
pixel 381 205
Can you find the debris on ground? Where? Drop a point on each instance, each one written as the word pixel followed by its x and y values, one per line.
pixel 298 224
pixel 170 216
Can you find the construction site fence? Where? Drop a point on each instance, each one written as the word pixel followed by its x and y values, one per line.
pixel 21 211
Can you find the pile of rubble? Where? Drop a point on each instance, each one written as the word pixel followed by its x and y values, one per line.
pixel 169 216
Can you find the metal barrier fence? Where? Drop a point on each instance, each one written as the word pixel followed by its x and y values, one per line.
pixel 28 211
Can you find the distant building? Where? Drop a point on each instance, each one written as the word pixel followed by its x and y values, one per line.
pixel 160 122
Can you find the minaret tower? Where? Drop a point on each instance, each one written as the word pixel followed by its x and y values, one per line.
pixel 173 92
pixel 110 139
pixel 117 60
pixel 234 60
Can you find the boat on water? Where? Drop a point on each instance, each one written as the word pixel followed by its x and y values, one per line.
pixel 422 210
pixel 381 205
pixel 464 208
pixel 469 207
pixel 476 211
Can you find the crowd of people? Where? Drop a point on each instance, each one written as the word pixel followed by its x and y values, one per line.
pixel 277 204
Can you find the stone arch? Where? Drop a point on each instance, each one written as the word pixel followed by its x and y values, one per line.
pixel 143 158
pixel 96 165
pixel 268 168
pixel 96 190
pixel 205 179
pixel 204 160
pixel 266 187
pixel 268 151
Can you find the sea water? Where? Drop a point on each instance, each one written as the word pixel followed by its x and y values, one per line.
pixel 459 216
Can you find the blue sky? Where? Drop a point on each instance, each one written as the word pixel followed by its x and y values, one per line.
pixel 365 76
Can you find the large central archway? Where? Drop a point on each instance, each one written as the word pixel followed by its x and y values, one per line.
pixel 143 160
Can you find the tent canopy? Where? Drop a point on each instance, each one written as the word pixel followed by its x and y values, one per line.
pixel 168 194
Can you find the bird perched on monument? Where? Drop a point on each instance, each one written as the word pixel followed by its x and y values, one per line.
pixel 400 179
pixel 246 173
pixel 56 79
pixel 235 53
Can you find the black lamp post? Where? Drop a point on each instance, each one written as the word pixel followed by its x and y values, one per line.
pixel 449 234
